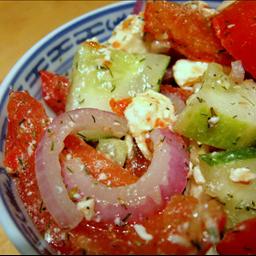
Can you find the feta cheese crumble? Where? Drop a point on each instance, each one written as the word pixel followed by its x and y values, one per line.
pixel 213 121
pixel 86 206
pixel 176 239
pixel 187 72
pixel 198 176
pixel 102 176
pixel 147 111
pixel 142 232
pixel 242 175
pixel 128 35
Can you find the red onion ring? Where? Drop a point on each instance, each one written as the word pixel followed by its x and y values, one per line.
pixel 166 176
pixel 47 165
pixel 177 102
pixel 139 6
pixel 237 71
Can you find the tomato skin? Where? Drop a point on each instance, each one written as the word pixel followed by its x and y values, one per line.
pixel 240 240
pixel 27 121
pixel 181 93
pixel 189 32
pixel 55 90
pixel 117 176
pixel 235 27
pixel 182 217
pixel 119 106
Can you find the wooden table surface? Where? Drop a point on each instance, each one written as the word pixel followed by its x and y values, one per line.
pixel 22 24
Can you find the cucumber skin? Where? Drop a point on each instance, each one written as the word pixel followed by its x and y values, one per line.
pixel 228 133
pixel 239 199
pixel 216 158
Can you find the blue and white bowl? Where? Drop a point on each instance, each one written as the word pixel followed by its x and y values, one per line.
pixel 54 53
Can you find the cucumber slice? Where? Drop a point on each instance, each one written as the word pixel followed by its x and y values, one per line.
pixel 114 148
pixel 222 114
pixel 239 199
pixel 100 74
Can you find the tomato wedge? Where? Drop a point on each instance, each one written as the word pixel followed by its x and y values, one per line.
pixel 179 229
pixel 55 90
pixel 235 26
pixel 240 240
pixel 189 32
pixel 27 121
pixel 116 175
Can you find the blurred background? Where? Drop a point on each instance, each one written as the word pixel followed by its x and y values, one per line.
pixel 22 24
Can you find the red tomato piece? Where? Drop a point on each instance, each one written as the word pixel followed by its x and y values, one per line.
pixel 27 121
pixel 179 229
pixel 181 93
pixel 55 90
pixel 240 240
pixel 119 106
pixel 117 175
pixel 188 30
pixel 235 26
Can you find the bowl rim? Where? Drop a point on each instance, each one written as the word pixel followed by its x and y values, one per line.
pixel 8 222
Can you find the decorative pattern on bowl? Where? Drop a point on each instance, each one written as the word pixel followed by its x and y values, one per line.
pixel 53 53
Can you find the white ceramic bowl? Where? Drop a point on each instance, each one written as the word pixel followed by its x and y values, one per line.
pixel 54 53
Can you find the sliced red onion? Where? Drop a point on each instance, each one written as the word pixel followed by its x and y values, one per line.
pixel 166 176
pixel 167 76
pixel 177 102
pixel 139 6
pixel 47 165
pixel 237 71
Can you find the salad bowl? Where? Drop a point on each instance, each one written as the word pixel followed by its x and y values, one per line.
pixel 54 53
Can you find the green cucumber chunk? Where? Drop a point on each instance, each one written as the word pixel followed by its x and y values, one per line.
pixel 222 114
pixel 114 148
pixel 239 199
pixel 100 74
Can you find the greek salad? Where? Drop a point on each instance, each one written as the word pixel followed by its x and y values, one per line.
pixel 151 150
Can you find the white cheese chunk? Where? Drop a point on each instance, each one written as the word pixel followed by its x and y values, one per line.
pixel 213 121
pixel 129 144
pixel 48 237
pixel 196 191
pixel 198 176
pixel 31 147
pixel 142 232
pixel 128 35
pixel 176 239
pixel 242 175
pixel 187 72
pixel 86 206
pixel 102 176
pixel 147 111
